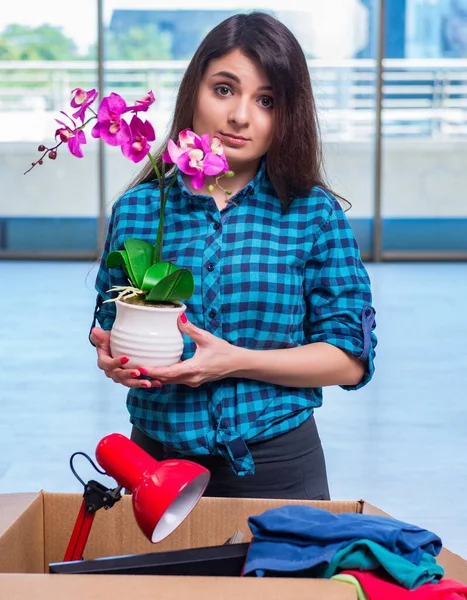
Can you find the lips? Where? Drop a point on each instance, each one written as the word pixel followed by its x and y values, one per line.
pixel 234 137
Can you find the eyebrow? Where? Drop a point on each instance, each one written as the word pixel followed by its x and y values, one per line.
pixel 237 79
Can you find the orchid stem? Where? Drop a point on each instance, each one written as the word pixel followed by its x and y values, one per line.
pixel 155 167
pixel 157 253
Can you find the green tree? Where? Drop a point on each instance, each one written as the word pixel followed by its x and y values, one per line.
pixel 44 42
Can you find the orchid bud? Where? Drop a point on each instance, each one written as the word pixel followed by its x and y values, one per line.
pixel 52 155
pixel 40 162
pixel 210 188
pixel 41 148
pixel 229 174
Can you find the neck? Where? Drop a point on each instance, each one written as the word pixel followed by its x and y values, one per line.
pixel 229 184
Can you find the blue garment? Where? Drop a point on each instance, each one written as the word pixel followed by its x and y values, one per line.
pixel 264 279
pixel 296 537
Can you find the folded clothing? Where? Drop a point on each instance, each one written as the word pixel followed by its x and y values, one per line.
pixel 296 538
pixel 366 555
pixel 377 586
pixel 347 578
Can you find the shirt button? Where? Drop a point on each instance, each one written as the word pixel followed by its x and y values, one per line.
pixel 212 313
pixel 210 267
pixel 216 226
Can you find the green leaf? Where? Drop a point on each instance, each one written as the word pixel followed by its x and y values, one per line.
pixel 156 273
pixel 119 258
pixel 177 285
pixel 140 258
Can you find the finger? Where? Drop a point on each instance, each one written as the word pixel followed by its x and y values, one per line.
pixel 100 338
pixel 186 327
pixel 178 373
pixel 131 378
pixel 160 374
pixel 107 363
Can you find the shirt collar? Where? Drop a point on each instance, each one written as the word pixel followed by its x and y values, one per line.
pixel 251 188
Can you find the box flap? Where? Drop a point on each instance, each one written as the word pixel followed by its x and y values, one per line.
pixel 12 506
pixel 22 533
pixel 369 509
pixel 96 587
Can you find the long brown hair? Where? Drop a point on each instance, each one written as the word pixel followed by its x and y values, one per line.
pixel 294 160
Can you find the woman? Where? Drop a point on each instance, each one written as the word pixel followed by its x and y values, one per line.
pixel 282 304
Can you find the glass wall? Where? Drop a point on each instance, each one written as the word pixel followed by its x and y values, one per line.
pixel 148 47
pixel 59 208
pixel 340 40
pixel 46 50
pixel 425 130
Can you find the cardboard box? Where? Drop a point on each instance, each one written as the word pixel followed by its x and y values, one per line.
pixel 35 530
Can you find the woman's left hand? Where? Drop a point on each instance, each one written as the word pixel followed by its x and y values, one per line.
pixel 214 359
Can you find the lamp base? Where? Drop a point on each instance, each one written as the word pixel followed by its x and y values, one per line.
pixel 215 561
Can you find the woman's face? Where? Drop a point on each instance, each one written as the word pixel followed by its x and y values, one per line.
pixel 235 103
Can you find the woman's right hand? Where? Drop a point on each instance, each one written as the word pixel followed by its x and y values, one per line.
pixel 113 367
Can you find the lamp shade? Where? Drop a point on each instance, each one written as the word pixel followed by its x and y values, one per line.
pixel 163 492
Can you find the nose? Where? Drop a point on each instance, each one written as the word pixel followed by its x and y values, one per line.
pixel 239 114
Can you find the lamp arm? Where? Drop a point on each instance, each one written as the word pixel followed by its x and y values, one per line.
pixel 95 496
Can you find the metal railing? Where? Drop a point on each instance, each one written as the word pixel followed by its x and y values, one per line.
pixel 421 98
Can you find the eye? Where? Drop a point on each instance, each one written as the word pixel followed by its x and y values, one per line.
pixel 222 90
pixel 266 102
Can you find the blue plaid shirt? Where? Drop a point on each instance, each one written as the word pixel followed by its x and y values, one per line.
pixel 264 279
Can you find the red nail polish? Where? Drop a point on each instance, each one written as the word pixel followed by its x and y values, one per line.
pixel 142 370
pixel 134 374
pixel 183 318
pixel 124 360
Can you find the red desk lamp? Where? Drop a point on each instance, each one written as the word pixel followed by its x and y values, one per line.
pixel 163 493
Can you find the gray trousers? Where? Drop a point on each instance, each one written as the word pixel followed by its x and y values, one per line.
pixel 289 466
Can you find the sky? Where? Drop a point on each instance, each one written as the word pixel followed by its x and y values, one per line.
pixel 79 21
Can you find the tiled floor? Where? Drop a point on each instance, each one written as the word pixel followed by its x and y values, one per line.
pixel 400 443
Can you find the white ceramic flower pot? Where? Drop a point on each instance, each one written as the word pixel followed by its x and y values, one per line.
pixel 149 336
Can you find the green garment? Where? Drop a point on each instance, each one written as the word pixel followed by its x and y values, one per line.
pixel 366 555
pixel 351 579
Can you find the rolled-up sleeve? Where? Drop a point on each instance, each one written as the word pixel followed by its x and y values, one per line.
pixel 338 293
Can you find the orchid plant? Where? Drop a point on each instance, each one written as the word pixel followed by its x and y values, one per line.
pixel 196 156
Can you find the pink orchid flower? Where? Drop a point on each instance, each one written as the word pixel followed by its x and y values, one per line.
pixel 137 146
pixel 198 166
pixel 189 139
pixel 144 103
pixel 110 126
pixel 73 137
pixel 82 100
pixel 215 147
pixel 190 162
pixel 198 157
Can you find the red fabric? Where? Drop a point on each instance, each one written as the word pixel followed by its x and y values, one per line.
pixel 377 587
